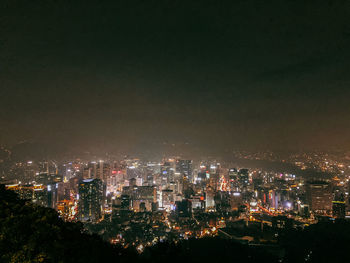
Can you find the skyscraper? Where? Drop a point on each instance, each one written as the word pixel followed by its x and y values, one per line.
pixel 319 196
pixel 103 171
pixel 90 200
pixel 243 176
pixel 184 167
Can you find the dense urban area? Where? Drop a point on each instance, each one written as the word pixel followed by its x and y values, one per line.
pixel 139 204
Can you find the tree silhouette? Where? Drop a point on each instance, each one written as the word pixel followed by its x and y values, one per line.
pixel 30 233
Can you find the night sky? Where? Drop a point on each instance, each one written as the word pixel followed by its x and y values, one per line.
pixel 182 76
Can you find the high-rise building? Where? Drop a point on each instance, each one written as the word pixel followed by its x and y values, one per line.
pixel 233 179
pixel 52 195
pixel 184 167
pixel 167 172
pixel 201 179
pixel 90 200
pixel 103 171
pixel 92 170
pixel 319 196
pixel 167 199
pixel 209 199
pixel 243 177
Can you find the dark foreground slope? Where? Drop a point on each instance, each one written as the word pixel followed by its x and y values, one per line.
pixel 30 233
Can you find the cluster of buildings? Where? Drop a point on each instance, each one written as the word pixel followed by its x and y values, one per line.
pixel 177 197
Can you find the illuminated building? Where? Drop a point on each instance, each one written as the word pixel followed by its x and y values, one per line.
pixel 66 209
pixel 64 191
pixel 42 196
pixel 214 175
pixel 167 199
pixel 52 195
pixel 243 177
pixel 233 179
pixel 197 203
pixel 232 173
pixel 262 194
pixel 201 179
pixel 45 178
pixel 87 173
pixel 141 194
pixel 184 168
pixel 222 201
pixel 304 210
pixel 91 171
pixel 90 200
pixel 103 171
pixel 209 199
pixel 134 169
pixel 38 194
pixel 167 172
pixel 319 196
pixel 25 192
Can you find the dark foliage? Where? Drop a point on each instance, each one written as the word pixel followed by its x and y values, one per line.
pixel 322 242
pixel 206 250
pixel 30 233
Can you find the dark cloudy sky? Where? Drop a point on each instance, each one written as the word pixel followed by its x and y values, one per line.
pixel 137 75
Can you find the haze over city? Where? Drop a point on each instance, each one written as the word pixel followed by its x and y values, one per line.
pixel 184 76
pixel 174 131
